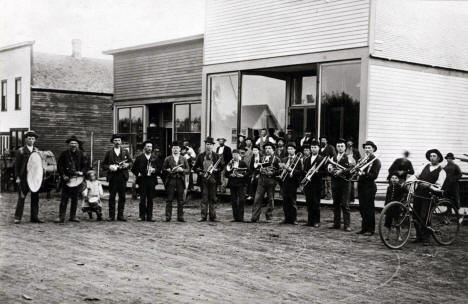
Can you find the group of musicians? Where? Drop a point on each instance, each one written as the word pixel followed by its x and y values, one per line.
pixel 250 170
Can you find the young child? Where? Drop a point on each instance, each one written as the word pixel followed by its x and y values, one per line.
pixel 395 192
pixel 92 196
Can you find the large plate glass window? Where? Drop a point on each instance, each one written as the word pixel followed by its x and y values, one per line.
pixel 130 125
pixel 188 123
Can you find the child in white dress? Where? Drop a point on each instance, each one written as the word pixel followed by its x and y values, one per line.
pixel 92 196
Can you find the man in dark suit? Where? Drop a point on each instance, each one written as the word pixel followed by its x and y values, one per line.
pixel 313 188
pixel 226 154
pixel 340 187
pixel 204 162
pixel 367 189
pixel 145 168
pixel 451 187
pixel 117 161
pixel 290 183
pixel 238 173
pixel 21 173
pixel 353 155
pixel 401 167
pixel 326 150
pixel 174 169
pixel 71 164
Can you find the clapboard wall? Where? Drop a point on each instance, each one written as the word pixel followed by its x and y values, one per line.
pixel 428 32
pixel 239 30
pixel 55 116
pixel 167 70
pixel 416 108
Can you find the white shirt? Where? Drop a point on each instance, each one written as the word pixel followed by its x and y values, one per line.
pixel 191 152
pixel 176 158
pixel 339 156
pixel 439 182
pixel 148 156
pixel 312 158
pixel 264 139
pixel 30 148
pixel 117 151
pixel 221 150
pixel 303 140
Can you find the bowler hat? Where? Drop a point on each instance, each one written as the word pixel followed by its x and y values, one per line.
pixel 280 138
pixel 176 143
pixel 241 135
pixel 209 140
pixel 147 142
pixel 450 156
pixel 31 133
pixel 72 138
pixel 235 151
pixel 249 138
pixel 114 136
pixel 291 144
pixel 429 152
pixel 255 147
pixel 220 138
pixel 340 141
pixel 315 143
pixel 269 144
pixel 370 143
pixel 306 146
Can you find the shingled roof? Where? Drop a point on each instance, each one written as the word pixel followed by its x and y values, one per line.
pixel 61 72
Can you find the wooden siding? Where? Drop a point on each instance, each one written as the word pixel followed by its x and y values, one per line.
pixel 416 110
pixel 57 116
pixel 172 70
pixel 428 32
pixel 239 30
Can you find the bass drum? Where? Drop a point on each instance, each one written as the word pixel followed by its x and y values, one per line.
pixel 35 171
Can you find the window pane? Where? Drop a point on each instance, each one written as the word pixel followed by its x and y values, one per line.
pixel 136 115
pixel 182 121
pixel 263 104
pixel 18 86
pixel 123 125
pixel 224 96
pixel 340 96
pixel 195 116
pixel 309 90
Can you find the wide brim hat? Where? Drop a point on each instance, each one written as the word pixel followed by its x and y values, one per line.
pixel 370 143
pixel 72 138
pixel 291 144
pixel 209 140
pixel 450 156
pixel 114 136
pixel 429 152
pixel 241 135
pixel 220 138
pixel 31 133
pixel 272 145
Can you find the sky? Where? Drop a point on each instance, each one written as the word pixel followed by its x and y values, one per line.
pixel 99 24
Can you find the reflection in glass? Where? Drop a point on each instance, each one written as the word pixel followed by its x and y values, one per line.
pixel 123 115
pixel 182 122
pixel 188 123
pixel 340 96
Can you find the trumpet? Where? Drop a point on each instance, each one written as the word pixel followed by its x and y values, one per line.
pixel 289 169
pixel 211 169
pixel 312 171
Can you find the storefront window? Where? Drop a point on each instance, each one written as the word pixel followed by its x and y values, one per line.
pixel 263 104
pixel 340 97
pixel 188 123
pixel 224 102
pixel 130 125
pixel 302 113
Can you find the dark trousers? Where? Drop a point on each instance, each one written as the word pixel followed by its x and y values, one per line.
pixel 72 194
pixel 390 215
pixel 117 185
pixel 262 188
pixel 421 209
pixel 23 187
pixel 238 202
pixel 252 187
pixel 340 192
pixel 146 198
pixel 366 196
pixel 312 193
pixel 175 189
pixel 208 201
pixel 289 201
pixel 452 192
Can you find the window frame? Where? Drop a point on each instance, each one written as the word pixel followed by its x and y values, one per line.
pixel 4 95
pixel 18 96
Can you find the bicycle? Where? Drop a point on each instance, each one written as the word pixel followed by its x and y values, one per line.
pixel 396 219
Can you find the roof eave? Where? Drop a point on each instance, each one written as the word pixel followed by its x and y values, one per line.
pixel 17 45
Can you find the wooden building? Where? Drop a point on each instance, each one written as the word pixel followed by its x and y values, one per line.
pixel 157 91
pixel 395 72
pixel 59 96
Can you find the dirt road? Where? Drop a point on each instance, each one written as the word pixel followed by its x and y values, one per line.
pixel 224 262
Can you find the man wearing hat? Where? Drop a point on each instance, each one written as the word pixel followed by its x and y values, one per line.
pixel 205 161
pixel 326 150
pixel 291 137
pixel 268 170
pixel 117 161
pixel 431 173
pixel 225 152
pixel 174 169
pixel 340 187
pixel 353 155
pixel 238 173
pixel 145 168
pixel 21 173
pixel 248 151
pixel 281 149
pixel 241 141
pixel 306 140
pixel 292 166
pixel 367 189
pixel 264 138
pixel 71 166
pixel 451 187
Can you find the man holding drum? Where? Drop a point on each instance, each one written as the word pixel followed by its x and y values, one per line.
pixel 71 165
pixel 21 173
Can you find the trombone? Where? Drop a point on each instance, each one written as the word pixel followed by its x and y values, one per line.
pixel 312 171
pixel 285 172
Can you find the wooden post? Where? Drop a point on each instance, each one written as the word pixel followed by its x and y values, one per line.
pixel 92 147
pixel 98 167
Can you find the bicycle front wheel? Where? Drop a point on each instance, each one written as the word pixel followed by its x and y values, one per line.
pixel 444 222
pixel 395 225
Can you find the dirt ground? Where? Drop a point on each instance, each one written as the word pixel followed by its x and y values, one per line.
pixel 224 262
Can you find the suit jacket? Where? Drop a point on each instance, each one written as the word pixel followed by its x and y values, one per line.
pixel 273 162
pixel 402 168
pixel 238 181
pixel 140 168
pixel 227 154
pixel 169 164
pixel 198 167
pixel 68 163
pixel 317 178
pixel 281 153
pixel 21 162
pixel 370 173
pixel 296 174
pixel 344 161
pixel 328 151
pixel 112 159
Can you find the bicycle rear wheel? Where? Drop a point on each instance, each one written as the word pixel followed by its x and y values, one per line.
pixel 395 225
pixel 444 222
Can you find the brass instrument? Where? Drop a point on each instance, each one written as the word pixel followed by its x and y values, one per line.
pixel 286 171
pixel 360 167
pixel 269 170
pixel 361 162
pixel 120 165
pixel 211 169
pixel 173 170
pixel 338 166
pixel 236 172
pixel 149 168
pixel 312 171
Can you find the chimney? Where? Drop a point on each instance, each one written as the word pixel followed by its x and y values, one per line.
pixel 76 48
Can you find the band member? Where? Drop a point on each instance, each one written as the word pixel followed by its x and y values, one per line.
pixel 281 150
pixel 241 141
pixel 367 189
pixel 326 150
pixel 264 138
pixel 353 155
pixel 431 173
pixel 92 195
pixel 313 188
pixel 117 161
pixel 145 168
pixel 190 156
pixel 238 173
pixel 401 167
pixel 290 137
pixel 451 187
pixel 21 173
pixel 254 171
pixel 174 168
pixel 225 152
pixel 71 165
pixel 248 150
pixel 268 171
pixel 340 187
pixel 293 166
pixel 209 165
pixel 306 151
pixel 307 139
